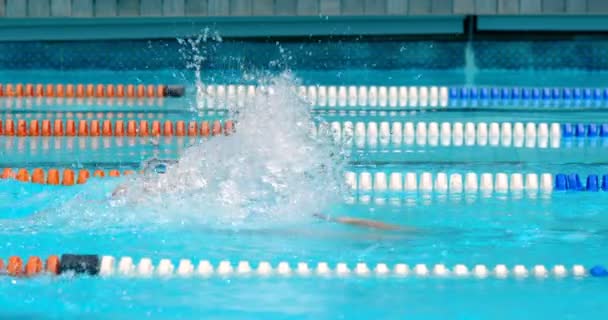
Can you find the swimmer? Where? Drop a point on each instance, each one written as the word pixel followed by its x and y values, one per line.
pixel 159 166
pixel 372 224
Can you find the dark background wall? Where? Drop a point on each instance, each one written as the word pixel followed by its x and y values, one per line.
pixel 155 8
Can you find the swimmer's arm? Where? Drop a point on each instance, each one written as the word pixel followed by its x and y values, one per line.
pixel 120 190
pixel 364 223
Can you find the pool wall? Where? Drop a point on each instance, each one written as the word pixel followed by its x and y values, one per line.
pixel 135 19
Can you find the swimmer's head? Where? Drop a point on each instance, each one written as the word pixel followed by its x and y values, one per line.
pixel 158 166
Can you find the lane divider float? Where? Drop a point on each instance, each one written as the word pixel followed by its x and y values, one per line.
pixel 397 133
pixel 442 182
pixel 108 266
pixel 132 146
pixel 26 103
pixel 374 96
pixel 117 128
pixel 90 90
pixel 367 182
pixel 65 177
pixel 78 115
pixel 517 94
pixel 34 266
pixel 471 182
pixel 378 96
pixel 221 95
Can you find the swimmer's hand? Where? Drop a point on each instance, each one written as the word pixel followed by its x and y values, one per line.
pixel 119 191
pixel 361 222
pixel 154 141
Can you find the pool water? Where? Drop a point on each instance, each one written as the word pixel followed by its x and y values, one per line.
pixel 510 228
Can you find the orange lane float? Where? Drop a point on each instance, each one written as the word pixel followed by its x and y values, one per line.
pixel 65 177
pixel 90 90
pixel 23 175
pixel 7 173
pixel 68 178
pixel 14 267
pixel 34 266
pixel 83 176
pixel 38 176
pixel 109 128
pixel 36 102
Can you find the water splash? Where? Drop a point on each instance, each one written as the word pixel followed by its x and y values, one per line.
pixel 271 169
pixel 195 52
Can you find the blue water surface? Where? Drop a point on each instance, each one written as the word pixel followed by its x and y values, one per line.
pixel 565 228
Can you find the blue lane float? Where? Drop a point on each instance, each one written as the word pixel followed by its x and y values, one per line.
pixel 566 96
pixel 605 182
pixel 592 183
pixel 561 183
pixel 598 271
pixel 592 130
pixel 573 182
pixel 582 130
pixel 567 130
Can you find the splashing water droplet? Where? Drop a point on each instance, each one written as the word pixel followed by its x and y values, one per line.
pixel 194 52
pixel 271 168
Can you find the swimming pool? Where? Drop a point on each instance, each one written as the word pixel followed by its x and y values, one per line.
pixel 473 158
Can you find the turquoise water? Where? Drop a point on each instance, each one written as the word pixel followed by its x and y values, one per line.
pixel 565 228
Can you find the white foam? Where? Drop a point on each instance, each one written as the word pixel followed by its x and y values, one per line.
pixel 271 168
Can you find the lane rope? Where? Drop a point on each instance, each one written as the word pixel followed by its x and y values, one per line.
pixel 414 97
pixel 517 94
pixel 379 182
pixel 472 182
pixel 386 134
pixel 82 90
pixel 108 266
pixel 218 95
pixel 24 103
pixel 221 95
pixel 65 177
pixel 117 128
pixel 133 147
pixel 442 182
pixel 99 115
